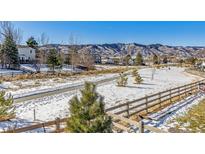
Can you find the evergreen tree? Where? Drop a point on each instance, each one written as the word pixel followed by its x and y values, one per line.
pixel 122 81
pixel 6 105
pixel 155 59
pixel 127 59
pixel 10 52
pixel 31 42
pixel 191 60
pixel 87 114
pixel 137 76
pixel 138 79
pixel 134 72
pixel 53 59
pixel 165 60
pixel 139 59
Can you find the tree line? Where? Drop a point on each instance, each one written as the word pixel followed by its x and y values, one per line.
pixel 10 37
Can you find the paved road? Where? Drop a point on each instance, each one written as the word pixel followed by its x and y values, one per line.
pixel 67 89
pixel 58 91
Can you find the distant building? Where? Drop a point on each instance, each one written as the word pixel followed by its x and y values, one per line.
pixel 26 54
pixel 107 60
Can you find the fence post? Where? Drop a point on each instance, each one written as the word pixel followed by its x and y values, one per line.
pixel 179 93
pixel 146 103
pixel 34 114
pixel 57 125
pixel 186 94
pixel 141 125
pixel 128 112
pixel 198 86
pixel 160 105
pixel 192 89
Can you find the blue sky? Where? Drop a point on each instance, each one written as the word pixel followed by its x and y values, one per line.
pixel 169 33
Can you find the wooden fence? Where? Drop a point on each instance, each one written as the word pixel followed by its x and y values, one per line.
pixel 158 99
pixel 140 125
pixel 123 111
pixel 54 126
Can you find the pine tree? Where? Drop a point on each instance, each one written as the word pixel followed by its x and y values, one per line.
pixel 122 81
pixel 134 72
pixel 31 42
pixel 10 52
pixel 165 60
pixel 87 114
pixel 54 59
pixel 6 106
pixel 139 59
pixel 127 59
pixel 138 79
pixel 137 76
pixel 155 59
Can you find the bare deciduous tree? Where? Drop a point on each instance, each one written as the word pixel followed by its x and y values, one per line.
pixel 73 51
pixel 86 59
pixel 8 29
pixel 44 39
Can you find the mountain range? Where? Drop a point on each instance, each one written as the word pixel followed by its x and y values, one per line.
pixel 119 49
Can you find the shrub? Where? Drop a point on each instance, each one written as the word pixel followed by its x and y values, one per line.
pixel 139 59
pixel 6 106
pixel 137 77
pixel 134 72
pixel 87 114
pixel 122 81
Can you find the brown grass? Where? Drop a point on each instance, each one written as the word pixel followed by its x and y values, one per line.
pixel 63 74
pixel 192 121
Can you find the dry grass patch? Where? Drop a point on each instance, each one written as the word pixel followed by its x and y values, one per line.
pixel 192 121
pixel 62 74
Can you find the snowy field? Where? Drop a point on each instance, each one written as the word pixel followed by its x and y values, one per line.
pixel 26 87
pixel 51 107
pixel 9 72
pixel 45 68
pixel 163 119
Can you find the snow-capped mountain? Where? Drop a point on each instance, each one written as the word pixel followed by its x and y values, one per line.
pixel 118 49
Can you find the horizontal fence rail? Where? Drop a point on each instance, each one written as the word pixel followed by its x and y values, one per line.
pixel 140 124
pixel 126 110
pixel 145 103
pixel 56 124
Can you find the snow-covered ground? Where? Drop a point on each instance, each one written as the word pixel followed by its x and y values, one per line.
pixel 51 107
pixel 163 119
pixel 45 68
pixel 9 72
pixel 163 79
pixel 27 87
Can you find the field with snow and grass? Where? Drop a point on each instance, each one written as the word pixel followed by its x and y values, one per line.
pixel 166 118
pixel 4 71
pixel 51 107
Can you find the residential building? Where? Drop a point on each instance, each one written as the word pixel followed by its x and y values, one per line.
pixel 26 54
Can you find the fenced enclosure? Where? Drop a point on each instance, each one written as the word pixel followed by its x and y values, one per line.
pixel 157 100
pixel 123 112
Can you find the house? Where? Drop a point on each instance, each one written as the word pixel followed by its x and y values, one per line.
pixel 26 54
